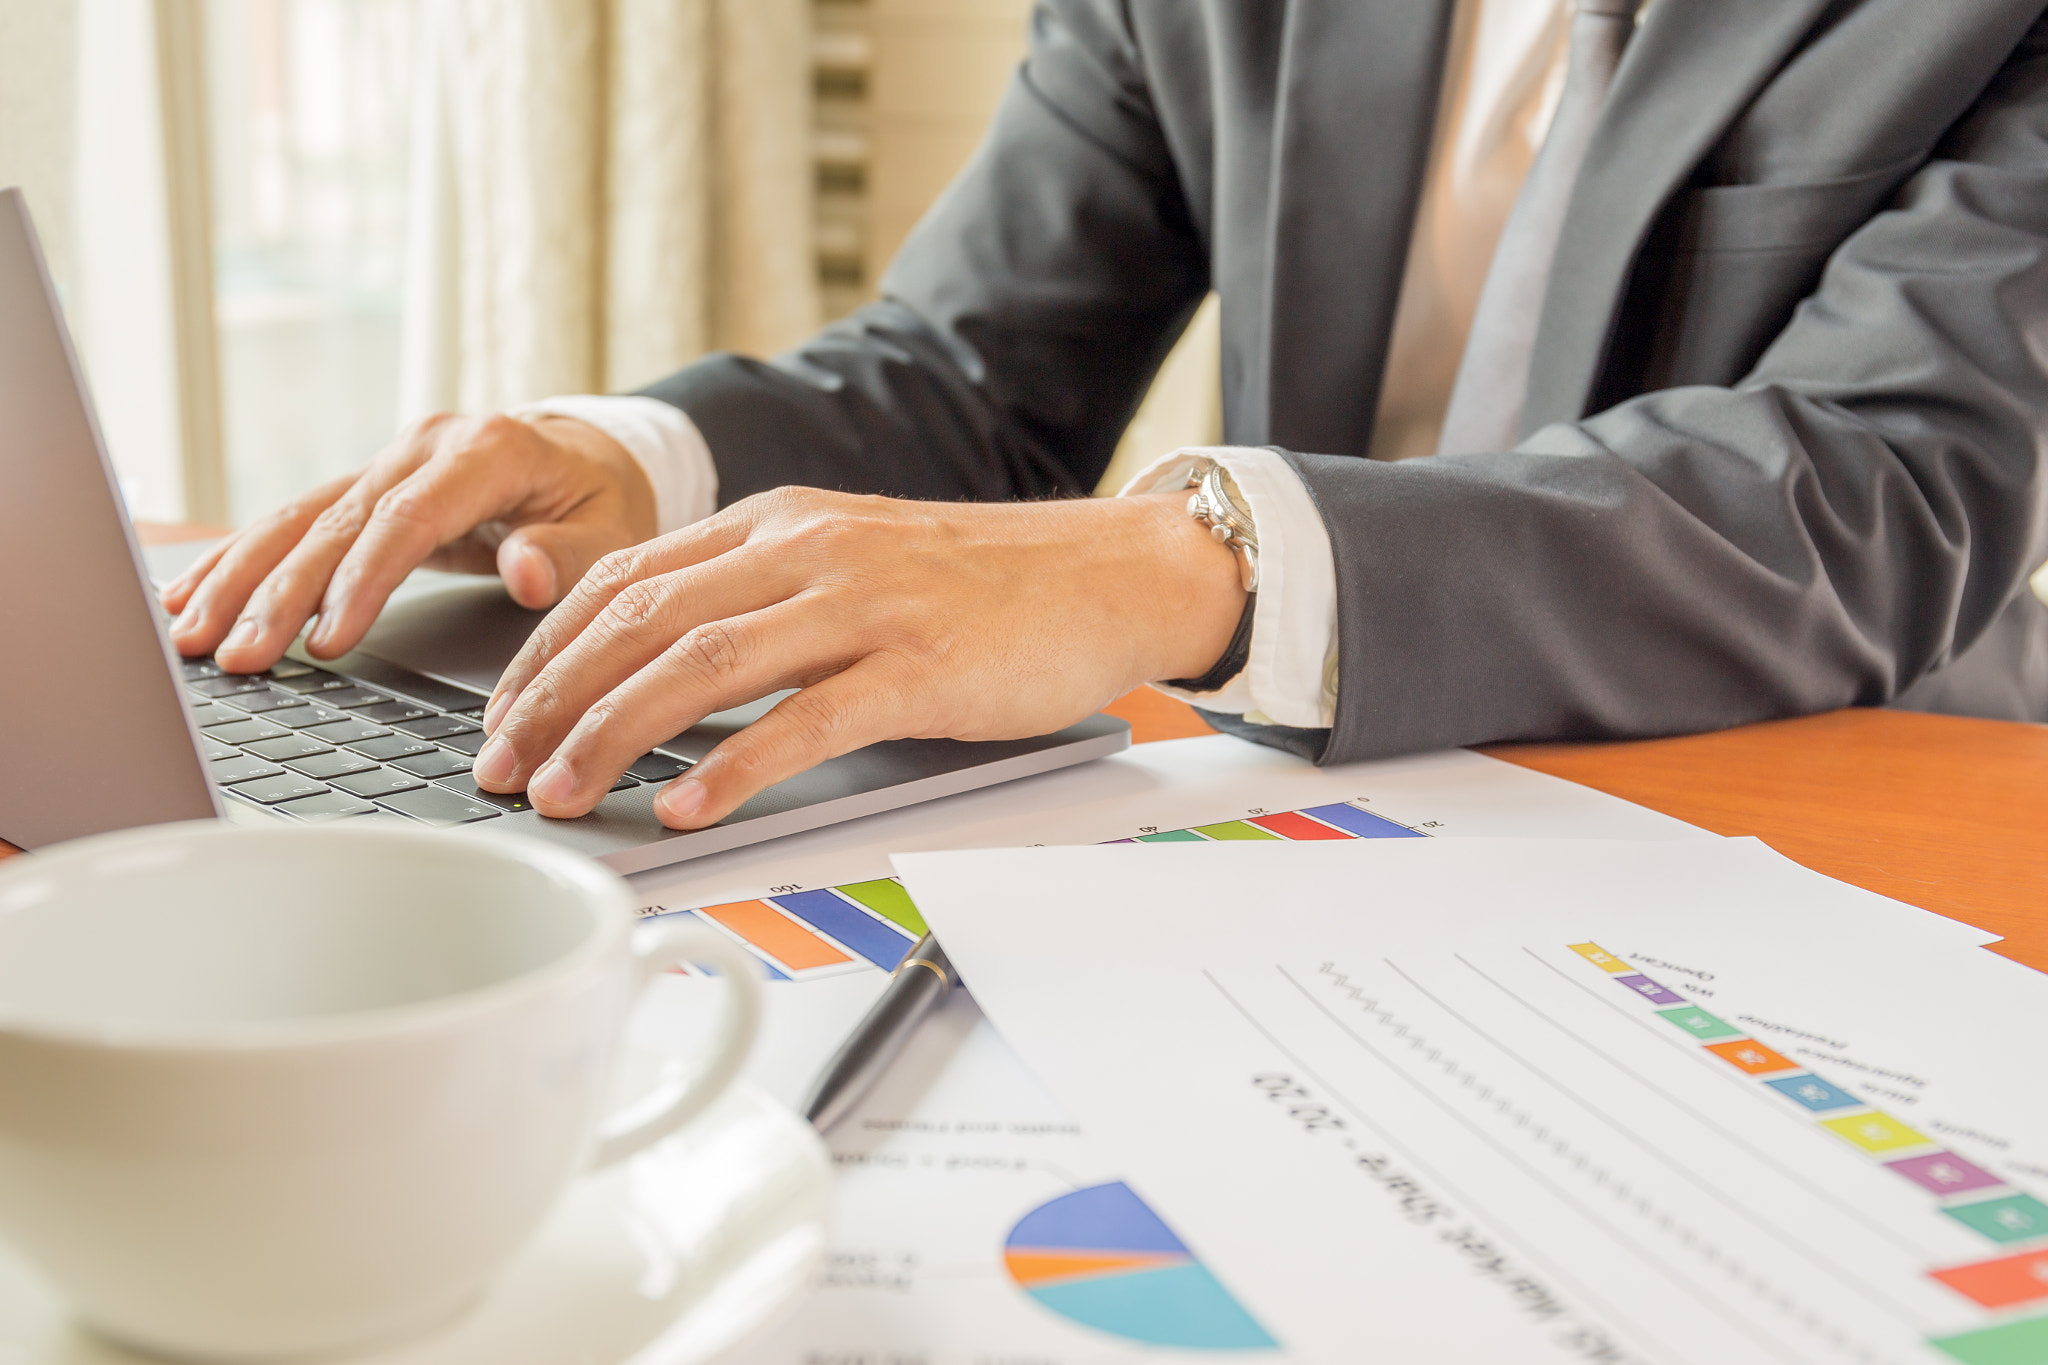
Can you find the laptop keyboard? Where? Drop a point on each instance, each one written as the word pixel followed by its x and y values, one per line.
pixel 317 745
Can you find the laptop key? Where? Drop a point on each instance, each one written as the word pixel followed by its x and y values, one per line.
pixel 436 727
pixel 247 731
pixel 256 703
pixel 438 763
pixel 350 697
pixel 288 746
pixel 658 767
pixel 438 806
pixel 286 787
pixel 332 806
pixel 289 668
pixel 392 746
pixel 213 713
pixel 623 783
pixel 378 782
pixel 465 744
pixel 385 712
pixel 346 731
pixel 227 684
pixel 195 669
pixel 331 764
pixel 241 768
pixel 466 786
pixel 303 715
pixel 213 748
pixel 314 681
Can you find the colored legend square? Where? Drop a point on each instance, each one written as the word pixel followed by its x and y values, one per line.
pixel 1292 824
pixel 2003 1282
pixel 1600 957
pixel 1699 1023
pixel 1874 1132
pixel 2014 1218
pixel 1944 1173
pixel 2009 1343
pixel 1747 1054
pixel 1235 829
pixel 1813 1092
pixel 1171 836
pixel 1650 990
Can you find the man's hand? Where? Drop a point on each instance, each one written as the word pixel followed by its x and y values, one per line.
pixel 895 619
pixel 538 502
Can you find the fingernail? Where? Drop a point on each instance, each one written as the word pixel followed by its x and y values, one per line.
pixel 680 801
pixel 243 634
pixel 554 783
pixel 495 712
pixel 494 765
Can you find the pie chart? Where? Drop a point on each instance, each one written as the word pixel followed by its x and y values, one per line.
pixel 1102 1258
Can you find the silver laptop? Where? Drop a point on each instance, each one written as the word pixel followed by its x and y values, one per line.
pixel 103 726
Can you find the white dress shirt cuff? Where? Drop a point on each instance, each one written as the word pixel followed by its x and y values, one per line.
pixel 1291 676
pixel 662 440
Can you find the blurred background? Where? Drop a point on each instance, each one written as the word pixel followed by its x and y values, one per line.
pixel 282 228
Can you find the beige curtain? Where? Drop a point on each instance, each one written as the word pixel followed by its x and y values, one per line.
pixel 603 190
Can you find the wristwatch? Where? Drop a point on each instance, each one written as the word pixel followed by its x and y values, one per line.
pixel 1219 505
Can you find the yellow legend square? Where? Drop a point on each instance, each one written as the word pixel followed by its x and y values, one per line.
pixel 1600 957
pixel 1875 1132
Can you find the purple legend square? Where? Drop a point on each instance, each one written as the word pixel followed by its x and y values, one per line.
pixel 1650 990
pixel 1944 1173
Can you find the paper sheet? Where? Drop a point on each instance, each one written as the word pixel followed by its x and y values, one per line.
pixel 1535 1101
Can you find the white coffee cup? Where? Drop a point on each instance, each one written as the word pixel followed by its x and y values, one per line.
pixel 268 1094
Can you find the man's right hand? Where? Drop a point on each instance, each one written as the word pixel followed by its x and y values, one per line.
pixel 539 502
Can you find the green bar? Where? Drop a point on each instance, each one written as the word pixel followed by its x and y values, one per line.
pixel 1699 1023
pixel 887 898
pixel 2011 1343
pixel 1235 829
pixel 1171 836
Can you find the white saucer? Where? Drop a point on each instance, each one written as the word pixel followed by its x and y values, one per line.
pixel 669 1259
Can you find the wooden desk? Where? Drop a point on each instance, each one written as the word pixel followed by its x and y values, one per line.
pixel 1942 812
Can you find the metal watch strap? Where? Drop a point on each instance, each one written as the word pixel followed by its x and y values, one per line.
pixel 1234 658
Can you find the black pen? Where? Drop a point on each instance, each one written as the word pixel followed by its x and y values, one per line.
pixel 923 978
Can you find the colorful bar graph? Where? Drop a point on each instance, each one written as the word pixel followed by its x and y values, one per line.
pixel 829 913
pixel 775 934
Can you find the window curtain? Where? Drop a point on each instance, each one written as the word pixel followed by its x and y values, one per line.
pixel 603 190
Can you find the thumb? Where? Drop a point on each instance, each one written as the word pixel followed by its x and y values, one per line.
pixel 541 562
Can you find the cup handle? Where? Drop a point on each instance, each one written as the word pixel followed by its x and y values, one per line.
pixel 635 1128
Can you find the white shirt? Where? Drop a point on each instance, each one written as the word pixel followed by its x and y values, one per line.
pixel 1502 76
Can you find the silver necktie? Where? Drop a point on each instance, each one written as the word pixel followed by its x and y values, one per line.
pixel 1485 411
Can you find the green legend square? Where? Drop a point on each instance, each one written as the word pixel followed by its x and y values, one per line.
pixel 1699 1023
pixel 2010 1343
pixel 2014 1218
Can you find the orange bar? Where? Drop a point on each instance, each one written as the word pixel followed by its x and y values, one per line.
pixel 1037 1267
pixel 775 934
pixel 2003 1282
pixel 1750 1056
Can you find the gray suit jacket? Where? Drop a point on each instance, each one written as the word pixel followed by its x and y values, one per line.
pixel 1786 431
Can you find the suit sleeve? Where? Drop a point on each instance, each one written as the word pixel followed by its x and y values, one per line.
pixel 1854 517
pixel 1020 323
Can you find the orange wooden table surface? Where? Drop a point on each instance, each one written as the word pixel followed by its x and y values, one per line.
pixel 1942 812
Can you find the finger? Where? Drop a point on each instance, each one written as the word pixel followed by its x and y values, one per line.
pixel 215 601
pixel 639 676
pixel 541 562
pixel 174 594
pixel 604 581
pixel 850 710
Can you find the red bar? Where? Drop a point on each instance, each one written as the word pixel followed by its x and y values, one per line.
pixel 2003 1282
pixel 1292 824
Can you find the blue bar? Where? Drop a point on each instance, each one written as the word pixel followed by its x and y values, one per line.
pixel 1364 824
pixel 848 923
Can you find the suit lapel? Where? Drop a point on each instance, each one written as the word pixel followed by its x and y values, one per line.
pixel 1691 69
pixel 1355 104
